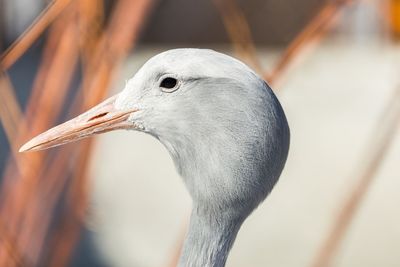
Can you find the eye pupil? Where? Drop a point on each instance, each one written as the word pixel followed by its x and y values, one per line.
pixel 168 83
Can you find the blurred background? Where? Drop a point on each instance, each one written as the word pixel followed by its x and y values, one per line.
pixel 116 200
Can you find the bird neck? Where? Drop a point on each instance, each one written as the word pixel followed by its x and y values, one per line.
pixel 209 239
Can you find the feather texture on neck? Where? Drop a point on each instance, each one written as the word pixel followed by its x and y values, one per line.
pixel 209 239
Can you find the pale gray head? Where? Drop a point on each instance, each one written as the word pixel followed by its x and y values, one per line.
pixel 223 127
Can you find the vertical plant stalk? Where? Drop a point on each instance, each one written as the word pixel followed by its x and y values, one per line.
pixel 238 31
pixel 91 25
pixel 10 112
pixel 177 250
pixel 9 247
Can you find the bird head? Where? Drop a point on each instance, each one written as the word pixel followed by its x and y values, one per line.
pixel 221 123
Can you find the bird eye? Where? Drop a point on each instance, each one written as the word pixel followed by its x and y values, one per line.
pixel 169 83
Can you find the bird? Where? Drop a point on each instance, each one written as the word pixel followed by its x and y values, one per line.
pixel 222 125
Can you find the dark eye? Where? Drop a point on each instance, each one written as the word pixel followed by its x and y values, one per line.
pixel 168 83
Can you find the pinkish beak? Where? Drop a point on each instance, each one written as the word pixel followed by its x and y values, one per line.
pixel 100 119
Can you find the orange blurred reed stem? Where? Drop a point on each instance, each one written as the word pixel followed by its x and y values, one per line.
pixel 18 48
pixel 10 112
pixel 394 18
pixel 239 32
pixel 381 140
pixel 126 21
pixel 311 34
pixel 52 82
pixel 114 44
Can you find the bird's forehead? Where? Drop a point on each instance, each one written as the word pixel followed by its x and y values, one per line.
pixel 191 62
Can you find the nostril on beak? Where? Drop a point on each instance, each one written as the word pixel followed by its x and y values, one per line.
pixel 98 116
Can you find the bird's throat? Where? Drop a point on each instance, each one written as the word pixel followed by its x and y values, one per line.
pixel 209 240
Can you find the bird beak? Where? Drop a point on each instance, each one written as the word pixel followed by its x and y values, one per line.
pixel 102 118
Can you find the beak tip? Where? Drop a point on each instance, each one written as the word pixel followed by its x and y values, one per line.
pixel 23 149
pixel 26 147
pixel 102 118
